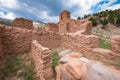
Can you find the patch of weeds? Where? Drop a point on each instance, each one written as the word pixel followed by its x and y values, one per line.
pixel 10 67
pixel 103 44
pixel 55 59
pixel 19 66
pixel 28 72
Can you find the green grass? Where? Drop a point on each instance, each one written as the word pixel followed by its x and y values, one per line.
pixel 55 60
pixel 19 66
pixel 105 45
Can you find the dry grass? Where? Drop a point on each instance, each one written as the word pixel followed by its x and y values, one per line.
pixel 17 67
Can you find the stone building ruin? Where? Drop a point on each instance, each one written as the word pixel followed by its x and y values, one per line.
pixel 67 33
pixel 68 25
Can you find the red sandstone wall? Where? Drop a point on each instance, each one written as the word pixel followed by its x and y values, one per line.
pixel 23 23
pixel 43 61
pixel 80 43
pixel 52 27
pixel 16 40
pixel 75 25
pixel 115 43
pixel 48 39
pixel 0 42
pixel 65 15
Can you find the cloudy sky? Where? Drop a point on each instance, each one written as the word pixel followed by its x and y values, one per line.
pixel 48 10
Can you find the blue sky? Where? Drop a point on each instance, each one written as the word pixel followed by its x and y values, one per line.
pixel 48 10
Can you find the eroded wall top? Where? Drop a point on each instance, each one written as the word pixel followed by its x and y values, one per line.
pixel 23 23
pixel 65 15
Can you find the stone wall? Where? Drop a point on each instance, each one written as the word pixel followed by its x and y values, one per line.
pixel 65 15
pixel 115 43
pixel 71 25
pixel 67 25
pixel 43 62
pixel 0 42
pixel 48 39
pixel 51 27
pixel 23 23
pixel 16 40
pixel 79 42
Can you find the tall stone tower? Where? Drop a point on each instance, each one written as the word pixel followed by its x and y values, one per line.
pixel 65 15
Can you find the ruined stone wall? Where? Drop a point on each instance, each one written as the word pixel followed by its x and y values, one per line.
pixel 72 25
pixel 115 43
pixel 23 23
pixel 43 62
pixel 48 39
pixel 16 40
pixel 65 15
pixel 79 42
pixel 0 42
pixel 51 27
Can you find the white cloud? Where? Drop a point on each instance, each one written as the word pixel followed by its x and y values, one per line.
pixel 113 7
pixel 106 5
pixel 12 4
pixel 9 15
pixel 44 15
pixel 83 7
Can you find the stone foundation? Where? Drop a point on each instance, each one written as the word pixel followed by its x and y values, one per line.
pixel 115 43
pixel 43 62
pixel 79 42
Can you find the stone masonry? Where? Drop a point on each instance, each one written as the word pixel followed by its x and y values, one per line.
pixel 0 42
pixel 68 33
pixel 51 27
pixel 42 58
pixel 79 42
pixel 16 40
pixel 67 25
pixel 115 43
pixel 65 15
pixel 23 23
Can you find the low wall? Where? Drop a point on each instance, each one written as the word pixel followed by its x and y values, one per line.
pixel 43 61
pixel 16 40
pixel 115 43
pixel 48 39
pixel 79 42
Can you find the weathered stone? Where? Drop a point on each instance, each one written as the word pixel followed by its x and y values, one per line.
pixel 65 15
pixel 1 42
pixel 79 42
pixel 52 27
pixel 23 23
pixel 64 52
pixel 115 43
pixel 43 62
pixel 104 53
pixel 97 71
pixel 76 68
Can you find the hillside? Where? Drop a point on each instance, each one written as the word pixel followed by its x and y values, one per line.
pixel 5 21
pixel 105 17
pixel 9 22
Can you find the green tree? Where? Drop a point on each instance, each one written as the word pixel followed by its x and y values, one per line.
pixel 105 21
pixel 93 20
pixel 78 18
